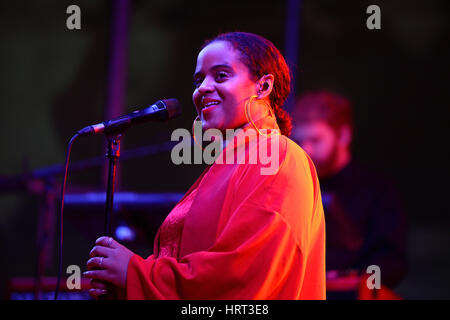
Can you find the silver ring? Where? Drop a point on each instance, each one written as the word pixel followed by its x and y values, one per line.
pixel 101 262
pixel 110 241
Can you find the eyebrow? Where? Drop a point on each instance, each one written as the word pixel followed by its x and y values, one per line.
pixel 217 66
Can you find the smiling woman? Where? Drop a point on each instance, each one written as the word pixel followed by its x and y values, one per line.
pixel 222 86
pixel 237 233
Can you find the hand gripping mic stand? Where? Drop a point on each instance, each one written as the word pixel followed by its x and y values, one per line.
pixel 113 129
pixel 113 154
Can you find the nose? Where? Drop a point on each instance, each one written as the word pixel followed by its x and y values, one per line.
pixel 206 86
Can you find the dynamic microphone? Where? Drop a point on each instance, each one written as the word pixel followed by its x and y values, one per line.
pixel 160 111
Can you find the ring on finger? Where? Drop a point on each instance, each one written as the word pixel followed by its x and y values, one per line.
pixel 109 241
pixel 101 262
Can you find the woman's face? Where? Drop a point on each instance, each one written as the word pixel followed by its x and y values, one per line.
pixel 223 84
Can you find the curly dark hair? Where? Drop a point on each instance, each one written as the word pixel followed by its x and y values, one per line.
pixel 262 57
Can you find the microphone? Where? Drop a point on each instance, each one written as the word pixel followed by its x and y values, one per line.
pixel 160 111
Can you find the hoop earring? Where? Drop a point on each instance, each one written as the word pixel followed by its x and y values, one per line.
pixel 249 118
pixel 193 132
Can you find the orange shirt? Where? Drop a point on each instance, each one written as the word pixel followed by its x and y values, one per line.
pixel 238 234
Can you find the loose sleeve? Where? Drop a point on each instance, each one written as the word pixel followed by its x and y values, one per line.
pixel 252 259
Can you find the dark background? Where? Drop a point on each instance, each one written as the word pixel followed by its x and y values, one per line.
pixel 53 82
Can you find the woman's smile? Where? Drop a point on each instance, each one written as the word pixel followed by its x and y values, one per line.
pixel 208 104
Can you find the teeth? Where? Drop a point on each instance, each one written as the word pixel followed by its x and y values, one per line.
pixel 210 104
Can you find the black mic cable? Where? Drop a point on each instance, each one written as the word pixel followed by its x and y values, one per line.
pixel 61 210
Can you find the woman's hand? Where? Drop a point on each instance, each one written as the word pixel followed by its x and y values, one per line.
pixel 108 263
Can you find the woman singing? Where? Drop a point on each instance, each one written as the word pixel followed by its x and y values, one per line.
pixel 238 232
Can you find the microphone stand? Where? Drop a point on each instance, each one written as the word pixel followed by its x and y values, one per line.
pixel 113 154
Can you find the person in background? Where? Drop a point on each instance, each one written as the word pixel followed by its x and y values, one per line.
pixel 365 222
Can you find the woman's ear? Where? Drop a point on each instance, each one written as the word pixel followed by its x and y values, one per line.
pixel 264 86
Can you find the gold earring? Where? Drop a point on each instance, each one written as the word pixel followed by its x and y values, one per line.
pixel 249 118
pixel 193 132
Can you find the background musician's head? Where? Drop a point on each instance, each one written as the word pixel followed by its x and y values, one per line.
pixel 323 127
